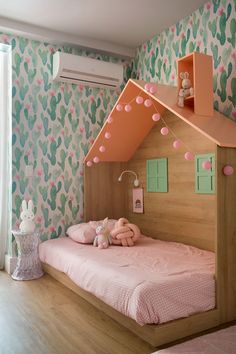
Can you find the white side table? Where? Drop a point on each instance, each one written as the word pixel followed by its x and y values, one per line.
pixel 28 263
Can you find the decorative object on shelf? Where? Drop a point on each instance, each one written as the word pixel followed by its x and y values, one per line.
pixel 28 263
pixel 186 89
pixel 136 181
pixel 228 170
pixel 138 200
pixel 27 217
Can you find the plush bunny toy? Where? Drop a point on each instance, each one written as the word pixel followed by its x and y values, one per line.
pixel 103 238
pixel 27 217
pixel 186 89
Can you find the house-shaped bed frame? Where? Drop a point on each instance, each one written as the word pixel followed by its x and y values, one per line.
pixel 203 220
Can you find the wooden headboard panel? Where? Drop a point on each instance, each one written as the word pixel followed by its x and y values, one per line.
pixel 179 215
pixel 103 194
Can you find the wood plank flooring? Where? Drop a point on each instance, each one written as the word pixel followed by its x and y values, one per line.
pixel 44 317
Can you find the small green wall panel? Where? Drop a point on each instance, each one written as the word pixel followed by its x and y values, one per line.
pixel 157 176
pixel 204 179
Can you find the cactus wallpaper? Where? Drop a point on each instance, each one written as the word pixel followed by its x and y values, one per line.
pixel 210 30
pixel 54 123
pixel 53 126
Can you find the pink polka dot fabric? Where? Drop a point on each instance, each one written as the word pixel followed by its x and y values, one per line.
pixel 152 282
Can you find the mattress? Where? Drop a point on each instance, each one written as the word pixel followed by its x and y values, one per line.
pixel 153 282
pixel 220 342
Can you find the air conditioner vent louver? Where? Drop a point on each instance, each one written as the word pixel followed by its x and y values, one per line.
pixel 87 71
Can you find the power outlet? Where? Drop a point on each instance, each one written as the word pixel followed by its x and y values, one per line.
pixel 29 171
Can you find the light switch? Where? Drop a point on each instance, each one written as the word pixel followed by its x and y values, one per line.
pixel 29 171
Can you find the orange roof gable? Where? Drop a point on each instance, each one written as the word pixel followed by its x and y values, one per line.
pixel 128 129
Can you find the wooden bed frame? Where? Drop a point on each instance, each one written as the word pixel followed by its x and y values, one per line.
pixel 181 215
pixel 154 334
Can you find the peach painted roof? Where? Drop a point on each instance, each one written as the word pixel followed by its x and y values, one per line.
pixel 128 129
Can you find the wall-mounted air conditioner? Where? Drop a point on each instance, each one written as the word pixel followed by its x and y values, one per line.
pixel 89 72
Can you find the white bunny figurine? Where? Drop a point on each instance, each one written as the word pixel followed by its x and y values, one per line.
pixel 186 89
pixel 27 217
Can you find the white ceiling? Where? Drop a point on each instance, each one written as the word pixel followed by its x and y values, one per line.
pixel 100 24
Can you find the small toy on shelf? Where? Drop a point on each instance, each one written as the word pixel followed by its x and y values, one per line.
pixel 103 238
pixel 186 89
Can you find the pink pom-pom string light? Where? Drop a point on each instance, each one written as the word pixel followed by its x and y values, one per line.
pixel 96 159
pixel 176 144
pixel 102 148
pixel 206 165
pixel 107 135
pixel 139 99
pixel 110 119
pixel 188 156
pixel 128 108
pixel 119 107
pixel 147 103
pixel 164 131
pixel 228 170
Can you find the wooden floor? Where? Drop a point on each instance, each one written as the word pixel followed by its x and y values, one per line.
pixel 43 317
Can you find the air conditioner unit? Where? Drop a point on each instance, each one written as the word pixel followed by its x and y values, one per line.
pixel 83 70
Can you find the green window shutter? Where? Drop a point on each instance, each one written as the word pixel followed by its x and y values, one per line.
pixel 157 180
pixel 204 179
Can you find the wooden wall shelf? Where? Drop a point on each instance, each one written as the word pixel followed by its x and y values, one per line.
pixel 199 67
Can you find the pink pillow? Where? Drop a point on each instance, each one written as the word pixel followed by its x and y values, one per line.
pixel 82 233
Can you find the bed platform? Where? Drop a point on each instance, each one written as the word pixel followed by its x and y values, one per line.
pixel 206 221
pixel 153 282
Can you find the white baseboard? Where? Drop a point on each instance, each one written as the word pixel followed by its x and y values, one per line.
pixel 10 263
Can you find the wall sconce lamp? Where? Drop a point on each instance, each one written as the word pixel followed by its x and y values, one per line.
pixel 136 181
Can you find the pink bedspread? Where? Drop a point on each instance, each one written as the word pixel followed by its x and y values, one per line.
pixel 220 342
pixel 152 282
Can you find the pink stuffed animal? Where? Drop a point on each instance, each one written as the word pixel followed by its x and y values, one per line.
pixel 103 238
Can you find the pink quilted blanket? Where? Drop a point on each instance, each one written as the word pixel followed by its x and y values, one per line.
pixel 153 282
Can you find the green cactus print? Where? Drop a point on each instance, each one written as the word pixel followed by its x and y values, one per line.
pixel 223 82
pixel 53 150
pixel 18 61
pixel 45 167
pixel 63 156
pixel 44 101
pixel 44 192
pixel 231 39
pixel 213 27
pixel 53 106
pixel 63 200
pixel 61 119
pixel 73 122
pixel 222 24
pixel 53 194
pixel 93 108
pixel 233 91
pixel 74 209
